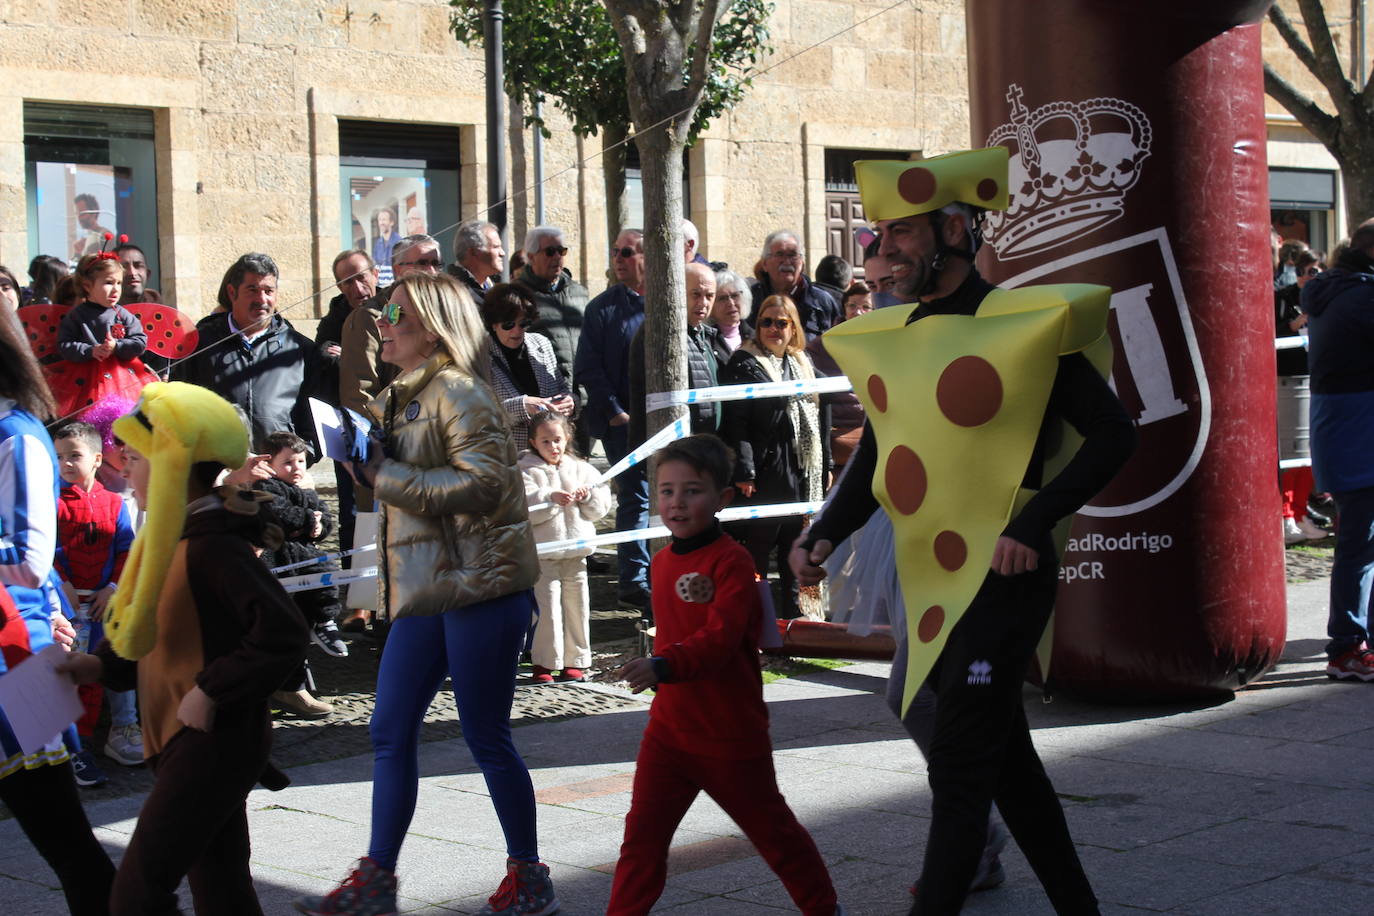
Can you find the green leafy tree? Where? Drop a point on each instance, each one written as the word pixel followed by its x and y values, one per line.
pixel 567 51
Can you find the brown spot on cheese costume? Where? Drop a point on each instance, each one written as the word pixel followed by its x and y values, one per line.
pixel 196 607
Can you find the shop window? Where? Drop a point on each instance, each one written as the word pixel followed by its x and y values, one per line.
pixel 1301 205
pixel 397 180
pixel 89 170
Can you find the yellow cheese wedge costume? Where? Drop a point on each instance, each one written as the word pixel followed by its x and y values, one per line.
pixel 174 425
pixel 956 402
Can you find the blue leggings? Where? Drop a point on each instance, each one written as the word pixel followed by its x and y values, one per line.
pixel 478 646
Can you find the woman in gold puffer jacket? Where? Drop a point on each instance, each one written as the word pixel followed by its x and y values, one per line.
pixel 458 563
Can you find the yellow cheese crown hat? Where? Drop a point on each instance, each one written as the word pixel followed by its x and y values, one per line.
pixel 173 426
pixel 893 188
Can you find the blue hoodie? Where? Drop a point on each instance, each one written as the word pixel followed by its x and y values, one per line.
pixel 1340 308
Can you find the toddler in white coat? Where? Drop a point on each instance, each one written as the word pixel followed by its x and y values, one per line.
pixel 553 475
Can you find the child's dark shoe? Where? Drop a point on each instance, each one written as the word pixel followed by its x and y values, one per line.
pixel 88 774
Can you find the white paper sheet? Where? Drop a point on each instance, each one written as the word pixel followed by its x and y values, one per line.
pixel 37 700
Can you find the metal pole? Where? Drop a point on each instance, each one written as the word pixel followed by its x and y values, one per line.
pixel 496 119
pixel 539 165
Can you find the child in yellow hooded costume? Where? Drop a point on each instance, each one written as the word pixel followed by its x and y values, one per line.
pixel 989 422
pixel 207 634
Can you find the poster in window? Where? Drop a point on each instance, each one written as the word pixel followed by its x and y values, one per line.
pixel 77 205
pixel 384 211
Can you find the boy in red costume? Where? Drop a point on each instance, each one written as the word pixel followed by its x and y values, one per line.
pixel 708 726
pixel 94 534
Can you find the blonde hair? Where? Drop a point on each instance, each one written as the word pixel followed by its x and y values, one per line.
pixel 447 311
pixel 797 343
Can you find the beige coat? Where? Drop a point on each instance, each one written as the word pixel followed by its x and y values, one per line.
pixel 563 523
pixel 454 529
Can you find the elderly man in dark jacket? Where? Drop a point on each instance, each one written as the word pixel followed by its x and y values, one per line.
pixel 784 266
pixel 561 299
pixel 253 358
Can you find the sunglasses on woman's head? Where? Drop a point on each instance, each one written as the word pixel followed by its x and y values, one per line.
pixel 555 251
pixel 391 313
pixel 782 324
pixel 510 325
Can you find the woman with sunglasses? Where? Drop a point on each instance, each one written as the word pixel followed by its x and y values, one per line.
pixel 457 565
pixel 524 367
pixel 782 445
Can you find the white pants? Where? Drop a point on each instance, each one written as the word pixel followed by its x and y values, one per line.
pixel 563 637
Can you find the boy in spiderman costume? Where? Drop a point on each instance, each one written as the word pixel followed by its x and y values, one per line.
pixel 94 533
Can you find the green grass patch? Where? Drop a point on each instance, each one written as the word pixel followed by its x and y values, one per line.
pixel 777 668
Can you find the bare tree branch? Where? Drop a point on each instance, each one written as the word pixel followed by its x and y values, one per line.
pixel 1284 26
pixel 1323 126
pixel 1328 69
pixel 696 77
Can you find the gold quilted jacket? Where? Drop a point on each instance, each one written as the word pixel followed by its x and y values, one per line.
pixel 454 529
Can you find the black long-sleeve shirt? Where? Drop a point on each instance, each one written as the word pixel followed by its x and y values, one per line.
pixel 1080 396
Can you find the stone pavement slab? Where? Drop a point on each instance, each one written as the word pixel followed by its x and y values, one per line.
pixel 1259 805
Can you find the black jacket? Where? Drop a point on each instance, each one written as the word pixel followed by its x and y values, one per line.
pixel 562 305
pixel 293 508
pixel 762 436
pixel 330 330
pixel 271 379
pixel 817 310
pixel 703 371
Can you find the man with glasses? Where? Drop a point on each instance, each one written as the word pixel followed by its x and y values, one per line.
pixel 602 367
pixel 561 300
pixel 784 267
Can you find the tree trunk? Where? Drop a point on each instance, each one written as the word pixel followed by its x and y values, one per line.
pixel 517 212
pixel 613 169
pixel 1357 178
pixel 665 305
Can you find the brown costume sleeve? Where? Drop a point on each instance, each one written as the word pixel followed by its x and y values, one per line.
pixel 254 635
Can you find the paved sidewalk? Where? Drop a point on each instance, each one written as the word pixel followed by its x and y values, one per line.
pixel 1256 806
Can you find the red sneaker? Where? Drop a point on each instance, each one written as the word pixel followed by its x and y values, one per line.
pixel 573 674
pixel 543 675
pixel 1357 664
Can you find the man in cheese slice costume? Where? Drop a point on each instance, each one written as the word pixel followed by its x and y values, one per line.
pixel 966 448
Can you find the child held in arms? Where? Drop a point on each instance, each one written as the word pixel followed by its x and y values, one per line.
pixel 708 726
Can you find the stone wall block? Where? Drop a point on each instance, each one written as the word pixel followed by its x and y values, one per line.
pixel 206 19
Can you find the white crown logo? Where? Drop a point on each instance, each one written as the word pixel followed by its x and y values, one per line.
pixel 1071 166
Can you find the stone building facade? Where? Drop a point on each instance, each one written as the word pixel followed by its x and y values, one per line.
pixel 206 128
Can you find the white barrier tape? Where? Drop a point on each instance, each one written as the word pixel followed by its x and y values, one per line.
pixel 829 385
pixel 656 530
pixel 329 556
pixel 324 580
pixel 1289 343
pixel 767 510
pixel 1295 463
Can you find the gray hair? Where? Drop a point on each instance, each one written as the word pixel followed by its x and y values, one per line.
pixel 728 277
pixel 773 238
pixel 409 242
pixel 689 232
pixel 535 236
pixel 471 235
pixel 252 263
